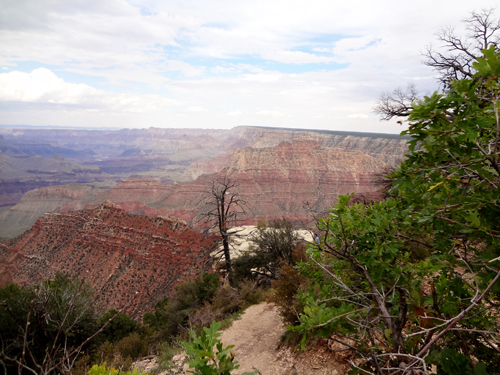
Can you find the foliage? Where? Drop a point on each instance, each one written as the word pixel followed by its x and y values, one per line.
pixel 171 315
pixel 277 241
pixel 402 310
pixel 205 360
pixel 119 327
pixel 44 328
pixel 287 287
pixel 250 293
pixel 103 370
pixel 273 244
pixel 227 300
pixel 132 347
pixel 166 354
pixel 105 353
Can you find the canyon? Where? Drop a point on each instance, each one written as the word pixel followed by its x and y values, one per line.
pixel 279 172
pixel 124 212
pixel 131 261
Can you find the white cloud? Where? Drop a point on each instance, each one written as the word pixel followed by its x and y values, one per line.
pixel 43 87
pixel 295 57
pixel 272 113
pixel 358 115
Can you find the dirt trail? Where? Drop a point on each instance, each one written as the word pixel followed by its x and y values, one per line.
pixel 256 337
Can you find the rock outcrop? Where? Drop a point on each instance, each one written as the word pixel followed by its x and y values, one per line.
pixel 298 180
pixel 131 261
pixel 240 241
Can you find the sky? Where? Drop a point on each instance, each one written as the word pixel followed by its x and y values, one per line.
pixel 215 64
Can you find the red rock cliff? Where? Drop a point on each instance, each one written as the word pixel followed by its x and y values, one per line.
pixel 128 259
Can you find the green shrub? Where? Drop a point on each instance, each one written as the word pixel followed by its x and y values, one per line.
pixel 121 326
pixel 226 300
pixel 170 316
pixel 250 293
pixel 167 352
pixel 103 370
pixel 205 360
pixel 61 317
pixel 287 287
pixel 252 266
pixel 274 245
pixel 106 353
pixel 132 347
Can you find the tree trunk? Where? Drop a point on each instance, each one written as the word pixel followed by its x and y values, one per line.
pixel 227 256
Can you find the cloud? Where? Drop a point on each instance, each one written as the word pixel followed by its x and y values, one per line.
pixel 272 113
pixel 295 57
pixel 42 86
pixel 285 63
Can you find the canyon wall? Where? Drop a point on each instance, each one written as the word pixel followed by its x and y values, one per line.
pixel 131 261
pixel 280 172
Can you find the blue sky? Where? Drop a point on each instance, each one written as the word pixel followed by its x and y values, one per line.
pixel 215 64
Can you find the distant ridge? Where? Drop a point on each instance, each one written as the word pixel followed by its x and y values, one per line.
pixel 337 132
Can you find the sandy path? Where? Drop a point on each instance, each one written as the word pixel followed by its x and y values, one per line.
pixel 255 338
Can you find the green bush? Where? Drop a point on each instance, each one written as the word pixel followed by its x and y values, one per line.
pixel 205 360
pixel 250 293
pixel 286 289
pixel 274 245
pixel 61 317
pixel 435 302
pixel 167 352
pixel 103 370
pixel 132 347
pixel 121 326
pixel 171 316
pixel 105 353
pixel 226 300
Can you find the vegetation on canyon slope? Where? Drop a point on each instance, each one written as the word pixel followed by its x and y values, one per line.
pixel 55 327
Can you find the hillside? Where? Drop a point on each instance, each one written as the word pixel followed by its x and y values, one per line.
pixel 130 260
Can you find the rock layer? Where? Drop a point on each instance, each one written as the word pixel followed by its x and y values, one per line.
pixel 131 261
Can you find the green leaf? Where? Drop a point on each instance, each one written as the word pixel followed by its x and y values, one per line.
pixel 489 65
pixel 388 334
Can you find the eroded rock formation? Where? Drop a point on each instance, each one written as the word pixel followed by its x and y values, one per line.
pixel 130 260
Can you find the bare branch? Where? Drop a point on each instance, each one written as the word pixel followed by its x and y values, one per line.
pixel 397 103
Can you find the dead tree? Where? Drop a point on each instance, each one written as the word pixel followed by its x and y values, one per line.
pixel 452 61
pixel 223 206
pixel 458 52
